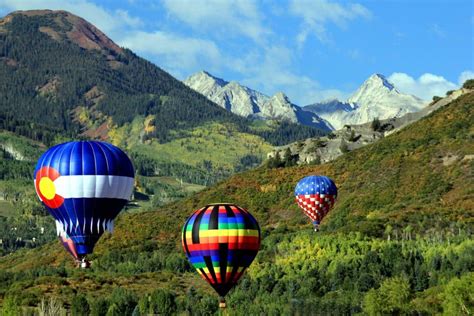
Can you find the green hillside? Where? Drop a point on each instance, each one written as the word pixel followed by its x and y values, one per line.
pixel 399 240
pixel 21 218
pixel 61 78
pixel 25 223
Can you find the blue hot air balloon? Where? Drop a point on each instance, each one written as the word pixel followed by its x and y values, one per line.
pixel 83 185
pixel 316 196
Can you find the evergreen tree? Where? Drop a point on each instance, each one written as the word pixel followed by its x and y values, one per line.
pixel 80 306
pixel 375 124
pixel 162 302
pixel 10 307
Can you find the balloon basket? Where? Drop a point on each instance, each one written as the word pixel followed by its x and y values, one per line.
pixel 84 264
pixel 222 303
pixel 316 226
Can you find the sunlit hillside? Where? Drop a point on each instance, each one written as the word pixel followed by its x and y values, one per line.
pixel 399 240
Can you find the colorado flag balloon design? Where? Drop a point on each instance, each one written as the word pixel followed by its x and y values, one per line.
pixel 221 241
pixel 83 185
pixel 316 196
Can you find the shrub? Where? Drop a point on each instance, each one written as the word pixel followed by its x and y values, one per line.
pixel 10 307
pixel 391 298
pixel 122 302
pixel 80 306
pixel 275 162
pixel 353 137
pixel 468 84
pixel 315 161
pixel 375 124
pixel 289 159
pixel 51 307
pixel 162 302
pixel 458 298
pixel 99 307
pixel 343 147
pixel 436 98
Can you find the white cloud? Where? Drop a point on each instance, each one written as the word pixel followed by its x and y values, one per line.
pixel 438 31
pixel 274 73
pixel 317 13
pixel 465 75
pixel 425 87
pixel 219 16
pixel 111 23
pixel 129 20
pixel 174 52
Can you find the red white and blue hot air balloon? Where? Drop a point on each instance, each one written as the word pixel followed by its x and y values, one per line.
pixel 316 196
pixel 83 185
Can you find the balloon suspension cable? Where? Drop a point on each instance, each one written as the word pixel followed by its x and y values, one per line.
pixel 222 303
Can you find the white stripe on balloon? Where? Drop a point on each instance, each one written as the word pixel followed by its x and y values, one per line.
pixel 94 186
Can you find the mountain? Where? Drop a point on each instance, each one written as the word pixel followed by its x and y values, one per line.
pixel 249 103
pixel 375 98
pixel 61 78
pixel 350 137
pixel 398 240
pixel 230 95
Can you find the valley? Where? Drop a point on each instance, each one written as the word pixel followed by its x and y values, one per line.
pixel 398 241
pixel 396 225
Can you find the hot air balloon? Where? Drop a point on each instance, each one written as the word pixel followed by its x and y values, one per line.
pixel 69 245
pixel 316 196
pixel 221 241
pixel 83 185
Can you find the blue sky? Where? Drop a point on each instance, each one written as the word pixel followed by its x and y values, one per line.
pixel 311 50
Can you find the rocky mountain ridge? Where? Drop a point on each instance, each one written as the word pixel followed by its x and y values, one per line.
pixel 375 98
pixel 350 137
pixel 61 78
pixel 246 102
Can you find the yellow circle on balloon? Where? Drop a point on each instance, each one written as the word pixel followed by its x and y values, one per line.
pixel 47 188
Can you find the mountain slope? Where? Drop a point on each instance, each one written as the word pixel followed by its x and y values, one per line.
pixel 62 78
pixel 402 224
pixel 230 95
pixel 376 98
pixel 246 102
pixel 327 148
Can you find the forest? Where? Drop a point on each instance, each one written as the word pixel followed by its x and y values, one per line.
pixel 399 241
pixel 52 90
pixel 64 73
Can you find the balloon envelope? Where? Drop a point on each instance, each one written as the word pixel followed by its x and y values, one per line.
pixel 69 245
pixel 221 241
pixel 316 196
pixel 83 185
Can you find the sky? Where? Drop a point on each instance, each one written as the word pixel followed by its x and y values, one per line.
pixel 312 50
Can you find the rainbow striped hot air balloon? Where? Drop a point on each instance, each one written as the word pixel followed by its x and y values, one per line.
pixel 316 196
pixel 221 241
pixel 83 185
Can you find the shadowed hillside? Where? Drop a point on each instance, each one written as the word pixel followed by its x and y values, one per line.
pixel 62 78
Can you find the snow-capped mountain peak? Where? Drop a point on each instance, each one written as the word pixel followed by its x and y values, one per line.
pixel 203 77
pixel 376 86
pixel 205 83
pixel 379 79
pixel 279 107
pixel 246 102
pixel 377 97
